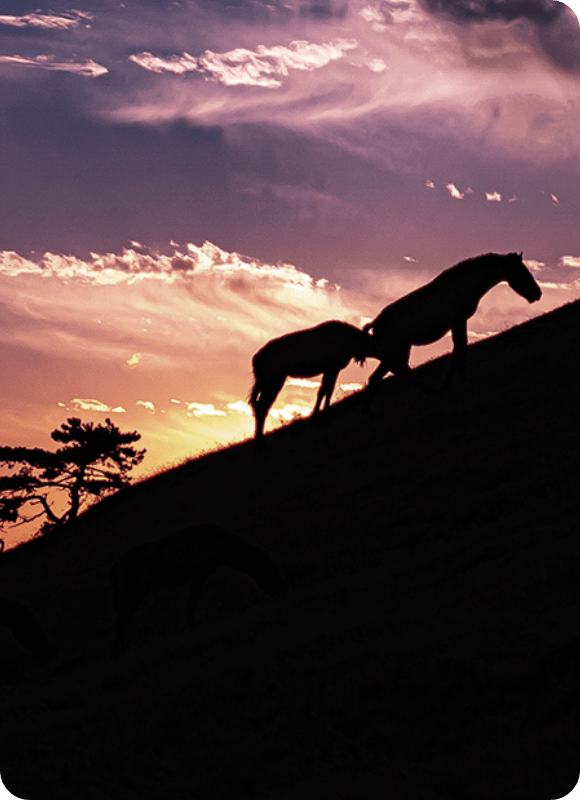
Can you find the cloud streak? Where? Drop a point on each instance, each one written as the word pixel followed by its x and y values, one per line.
pixel 454 191
pixel 541 12
pixel 87 69
pixel 242 67
pixel 69 19
pixel 96 405
pixel 130 266
pixel 570 261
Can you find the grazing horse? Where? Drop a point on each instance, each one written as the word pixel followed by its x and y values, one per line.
pixel 24 627
pixel 445 304
pixel 327 348
pixel 190 556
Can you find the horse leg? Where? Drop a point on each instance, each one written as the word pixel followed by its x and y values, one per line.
pixel 262 405
pixel 402 370
pixel 256 408
pixel 373 386
pixel 325 392
pixel 459 334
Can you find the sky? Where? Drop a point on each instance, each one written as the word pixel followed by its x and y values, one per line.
pixel 183 181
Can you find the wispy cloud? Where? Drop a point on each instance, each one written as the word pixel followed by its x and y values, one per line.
pixel 290 411
pixel 242 67
pixel 570 261
pixel 240 407
pixel 204 410
pixel 89 68
pixel 68 19
pixel 134 360
pixel 129 266
pixel 96 405
pixel 454 191
pixel 493 197
pixel 534 265
pixel 303 383
pixel 557 285
pixel 154 313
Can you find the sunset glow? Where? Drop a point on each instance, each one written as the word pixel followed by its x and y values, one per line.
pixel 186 181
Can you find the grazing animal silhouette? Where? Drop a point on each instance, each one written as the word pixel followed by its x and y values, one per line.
pixel 445 304
pixel 24 627
pixel 327 348
pixel 190 556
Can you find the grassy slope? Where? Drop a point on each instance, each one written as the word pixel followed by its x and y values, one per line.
pixel 426 648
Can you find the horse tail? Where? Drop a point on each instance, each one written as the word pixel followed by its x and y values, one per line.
pixel 255 390
pixel 254 394
pixel 365 345
pixel 362 353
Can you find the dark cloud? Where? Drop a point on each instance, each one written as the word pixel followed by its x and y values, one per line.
pixel 556 27
pixel 324 10
pixel 561 41
pixel 542 12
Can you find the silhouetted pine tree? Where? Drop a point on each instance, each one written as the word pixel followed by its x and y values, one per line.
pixel 95 461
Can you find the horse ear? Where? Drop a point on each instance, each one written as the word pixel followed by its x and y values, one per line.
pixel 521 255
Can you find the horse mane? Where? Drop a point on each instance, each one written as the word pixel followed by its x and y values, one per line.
pixel 473 264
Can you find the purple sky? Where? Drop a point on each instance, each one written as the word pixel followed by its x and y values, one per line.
pixel 312 145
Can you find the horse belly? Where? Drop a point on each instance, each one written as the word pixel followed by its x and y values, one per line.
pixel 402 331
pixel 305 370
pixel 430 334
pixel 416 325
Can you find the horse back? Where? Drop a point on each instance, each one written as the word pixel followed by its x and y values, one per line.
pixel 305 353
pixel 426 314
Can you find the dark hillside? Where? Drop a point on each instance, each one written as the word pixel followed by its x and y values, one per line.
pixel 429 645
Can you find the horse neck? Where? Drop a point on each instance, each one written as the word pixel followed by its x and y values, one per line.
pixel 480 280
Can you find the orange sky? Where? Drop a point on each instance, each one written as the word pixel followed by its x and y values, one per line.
pixel 163 343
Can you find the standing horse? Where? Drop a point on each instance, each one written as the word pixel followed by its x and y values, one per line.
pixel 327 348
pixel 445 304
pixel 190 556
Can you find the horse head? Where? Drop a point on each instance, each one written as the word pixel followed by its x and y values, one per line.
pixel 363 346
pixel 520 278
pixel 368 345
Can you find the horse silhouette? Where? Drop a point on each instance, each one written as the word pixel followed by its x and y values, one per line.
pixel 445 304
pixel 327 348
pixel 24 627
pixel 190 556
